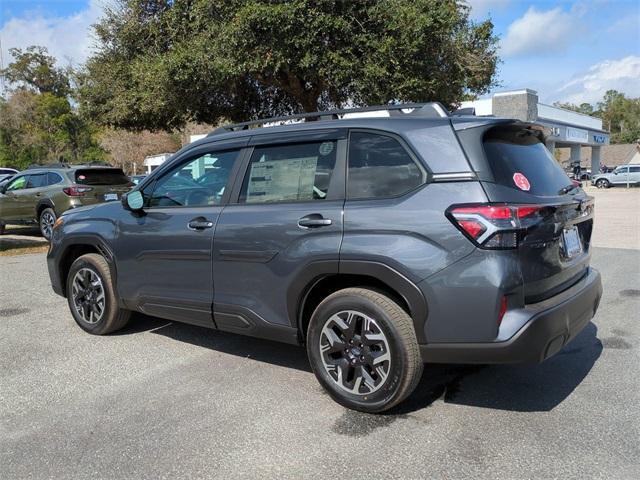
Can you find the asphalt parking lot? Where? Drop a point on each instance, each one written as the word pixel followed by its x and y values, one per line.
pixel 165 400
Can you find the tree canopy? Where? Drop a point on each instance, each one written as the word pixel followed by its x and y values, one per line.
pixel 620 115
pixel 161 63
pixel 38 123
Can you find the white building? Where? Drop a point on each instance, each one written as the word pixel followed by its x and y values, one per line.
pixel 564 128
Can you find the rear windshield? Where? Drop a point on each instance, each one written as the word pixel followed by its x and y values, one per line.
pixel 101 176
pixel 520 160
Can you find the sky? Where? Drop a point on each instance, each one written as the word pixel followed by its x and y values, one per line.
pixel 568 51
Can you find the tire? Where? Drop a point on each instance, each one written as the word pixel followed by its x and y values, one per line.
pixel 46 220
pixel 602 183
pixel 92 315
pixel 3 227
pixel 389 380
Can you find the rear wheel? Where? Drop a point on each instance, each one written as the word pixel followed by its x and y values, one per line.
pixel 602 183
pixel 363 350
pixel 91 296
pixel 47 220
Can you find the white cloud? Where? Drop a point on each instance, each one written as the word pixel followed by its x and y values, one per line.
pixel 480 9
pixel 539 32
pixel 67 38
pixel 622 75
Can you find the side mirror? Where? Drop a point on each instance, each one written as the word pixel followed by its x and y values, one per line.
pixel 615 172
pixel 133 201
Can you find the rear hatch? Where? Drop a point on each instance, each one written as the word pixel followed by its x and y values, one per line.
pixel 554 241
pixel 101 184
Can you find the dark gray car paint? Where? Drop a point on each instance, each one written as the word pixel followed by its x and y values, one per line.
pixel 252 270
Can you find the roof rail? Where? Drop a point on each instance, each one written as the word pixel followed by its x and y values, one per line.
pixel 424 110
pixel 33 166
pixel 464 111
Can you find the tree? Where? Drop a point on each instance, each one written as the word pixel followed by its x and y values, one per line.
pixel 585 108
pixel 621 116
pixel 161 63
pixel 129 149
pixel 34 69
pixel 38 124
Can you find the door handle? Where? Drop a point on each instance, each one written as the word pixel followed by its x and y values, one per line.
pixel 199 223
pixel 314 220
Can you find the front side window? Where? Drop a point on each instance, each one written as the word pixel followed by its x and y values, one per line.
pixel 380 167
pixel 621 170
pixel 17 184
pixel 197 183
pixel 289 173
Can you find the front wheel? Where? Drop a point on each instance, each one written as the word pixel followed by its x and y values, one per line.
pixel 91 296
pixel 363 350
pixel 602 183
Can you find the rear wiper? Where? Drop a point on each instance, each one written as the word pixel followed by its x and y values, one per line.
pixel 567 189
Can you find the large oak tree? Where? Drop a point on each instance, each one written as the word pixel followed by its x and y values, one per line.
pixel 161 63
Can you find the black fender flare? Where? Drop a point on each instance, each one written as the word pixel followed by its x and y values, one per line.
pixel 396 281
pixel 87 240
pixel 45 203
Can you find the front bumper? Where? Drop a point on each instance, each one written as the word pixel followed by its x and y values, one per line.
pixel 551 325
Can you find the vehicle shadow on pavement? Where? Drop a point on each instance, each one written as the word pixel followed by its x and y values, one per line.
pixel 276 353
pixel 21 238
pixel 519 388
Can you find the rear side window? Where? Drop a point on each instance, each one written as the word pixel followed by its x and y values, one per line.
pixel 35 181
pixel 53 178
pixel 380 167
pixel 289 173
pixel 519 160
pixel 101 176
pixel 634 169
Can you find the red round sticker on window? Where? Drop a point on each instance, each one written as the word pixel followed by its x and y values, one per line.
pixel 521 181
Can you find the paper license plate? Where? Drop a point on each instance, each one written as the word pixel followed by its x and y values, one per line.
pixel 110 196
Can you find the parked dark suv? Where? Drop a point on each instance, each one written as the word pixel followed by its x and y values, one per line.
pixel 380 243
pixel 38 195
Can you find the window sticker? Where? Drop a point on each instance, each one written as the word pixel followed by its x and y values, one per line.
pixel 282 180
pixel 521 181
pixel 325 148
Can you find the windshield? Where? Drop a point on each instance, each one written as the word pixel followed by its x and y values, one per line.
pixel 520 160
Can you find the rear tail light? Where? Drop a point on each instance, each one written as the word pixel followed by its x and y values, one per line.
pixel 76 190
pixel 493 226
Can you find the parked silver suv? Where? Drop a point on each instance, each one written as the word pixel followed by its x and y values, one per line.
pixel 622 175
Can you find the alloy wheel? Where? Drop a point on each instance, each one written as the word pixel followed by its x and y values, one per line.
pixel 355 352
pixel 88 295
pixel 47 220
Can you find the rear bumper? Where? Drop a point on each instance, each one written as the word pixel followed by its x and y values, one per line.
pixel 552 324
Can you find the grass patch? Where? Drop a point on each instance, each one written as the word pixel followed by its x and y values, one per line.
pixel 10 251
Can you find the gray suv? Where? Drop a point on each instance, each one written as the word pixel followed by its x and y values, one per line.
pixel 379 243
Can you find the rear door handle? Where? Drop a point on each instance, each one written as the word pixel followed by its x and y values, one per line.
pixel 314 220
pixel 199 223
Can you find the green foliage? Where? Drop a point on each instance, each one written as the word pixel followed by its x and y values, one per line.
pixel 585 108
pixel 34 69
pixel 161 63
pixel 37 122
pixel 620 115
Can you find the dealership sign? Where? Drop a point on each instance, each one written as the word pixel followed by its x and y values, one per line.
pixel 599 138
pixel 577 134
